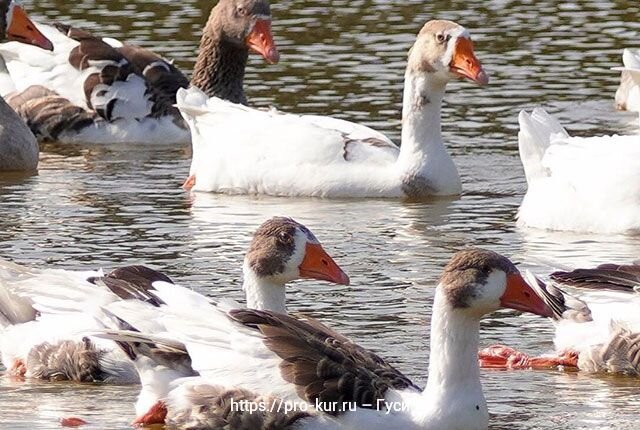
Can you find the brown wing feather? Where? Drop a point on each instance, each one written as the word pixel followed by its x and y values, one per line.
pixel 163 79
pixel 133 282
pixel 323 367
pixel 47 114
pixel 606 276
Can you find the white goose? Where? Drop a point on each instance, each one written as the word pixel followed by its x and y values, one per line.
pixel 628 93
pixel 579 184
pixel 43 330
pixel 277 361
pixel 238 150
pixel 101 90
pixel 18 147
pixel 599 331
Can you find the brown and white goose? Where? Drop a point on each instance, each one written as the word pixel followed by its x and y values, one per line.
pixel 92 89
pixel 43 330
pixel 300 374
pixel 18 146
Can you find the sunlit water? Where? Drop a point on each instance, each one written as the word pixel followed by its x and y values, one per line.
pixel 99 206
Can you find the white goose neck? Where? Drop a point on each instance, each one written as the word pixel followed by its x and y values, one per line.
pixel 454 392
pixel 424 165
pixel 262 294
pixel 421 106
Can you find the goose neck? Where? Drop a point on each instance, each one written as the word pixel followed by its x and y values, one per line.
pixel 421 127
pixel 263 294
pixel 454 373
pixel 220 67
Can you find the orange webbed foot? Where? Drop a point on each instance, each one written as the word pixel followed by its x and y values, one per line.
pixel 72 422
pixel 157 414
pixel 189 183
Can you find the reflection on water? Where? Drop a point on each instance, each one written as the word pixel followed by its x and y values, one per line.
pixel 107 205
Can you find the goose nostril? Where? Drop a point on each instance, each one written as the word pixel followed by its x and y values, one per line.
pixel 527 294
pixel 325 262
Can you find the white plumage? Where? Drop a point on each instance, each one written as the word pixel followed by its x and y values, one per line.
pixel 579 184
pixel 628 93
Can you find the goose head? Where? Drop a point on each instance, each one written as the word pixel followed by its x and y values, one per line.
pixel 245 23
pixel 444 50
pixel 15 25
pixel 283 250
pixel 478 282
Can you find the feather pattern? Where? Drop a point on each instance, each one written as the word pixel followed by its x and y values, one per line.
pixel 93 88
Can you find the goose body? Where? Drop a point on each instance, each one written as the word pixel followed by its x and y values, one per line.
pixel 579 184
pixel 43 331
pixel 100 90
pixel 326 380
pixel 18 147
pixel 597 325
pixel 238 150
pixel 628 93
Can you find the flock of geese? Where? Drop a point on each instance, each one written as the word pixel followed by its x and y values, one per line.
pixel 194 358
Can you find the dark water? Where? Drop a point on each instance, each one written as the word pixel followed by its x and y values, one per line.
pixel 101 206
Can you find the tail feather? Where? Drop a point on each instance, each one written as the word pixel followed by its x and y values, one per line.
pixel 631 60
pixel 536 132
pixel 133 282
pixel 564 305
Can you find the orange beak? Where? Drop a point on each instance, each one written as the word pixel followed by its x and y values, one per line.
pixel 318 265
pixel 261 41
pixel 521 297
pixel 465 64
pixel 23 30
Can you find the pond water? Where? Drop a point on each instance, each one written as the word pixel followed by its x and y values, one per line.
pixel 104 206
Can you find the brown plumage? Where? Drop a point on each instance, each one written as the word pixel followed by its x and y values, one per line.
pixel 4 8
pixel 213 409
pixel 469 269
pixel 272 246
pixel 324 366
pixel 47 114
pixel 66 361
pixel 133 282
pixel 223 55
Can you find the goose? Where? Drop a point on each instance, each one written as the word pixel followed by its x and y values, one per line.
pixel 300 374
pixel 628 93
pixel 42 330
pixel 597 331
pixel 239 150
pixel 578 184
pixel 99 90
pixel 18 147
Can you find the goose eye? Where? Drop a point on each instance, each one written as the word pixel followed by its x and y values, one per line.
pixel 241 11
pixel 283 236
pixel 441 37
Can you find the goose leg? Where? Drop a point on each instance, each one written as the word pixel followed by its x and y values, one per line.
pixel 189 183
pixel 504 357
